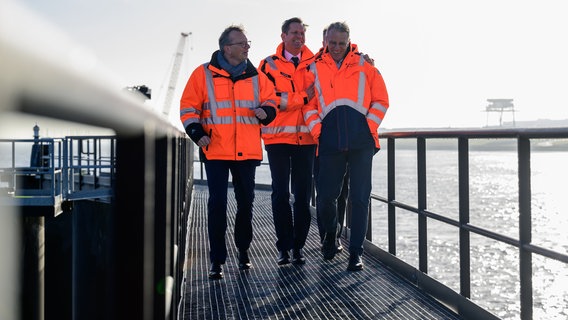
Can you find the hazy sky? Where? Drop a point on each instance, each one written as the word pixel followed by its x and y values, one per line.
pixel 441 59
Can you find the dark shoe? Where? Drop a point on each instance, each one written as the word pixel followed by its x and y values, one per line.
pixel 355 262
pixel 244 261
pixel 216 272
pixel 328 248
pixel 283 257
pixel 298 257
pixel 339 247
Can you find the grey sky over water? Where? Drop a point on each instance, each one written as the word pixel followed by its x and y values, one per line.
pixel 441 59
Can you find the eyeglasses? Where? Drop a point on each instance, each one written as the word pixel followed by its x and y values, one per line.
pixel 243 44
pixel 337 44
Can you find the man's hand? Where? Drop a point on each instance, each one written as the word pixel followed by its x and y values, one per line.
pixel 204 141
pixel 259 113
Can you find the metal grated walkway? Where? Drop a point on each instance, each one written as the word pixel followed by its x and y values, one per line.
pixel 317 290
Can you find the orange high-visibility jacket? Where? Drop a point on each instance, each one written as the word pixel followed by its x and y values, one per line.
pixel 222 108
pixel 356 84
pixel 289 126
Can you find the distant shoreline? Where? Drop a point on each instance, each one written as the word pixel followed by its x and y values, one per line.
pixel 479 144
pixel 496 145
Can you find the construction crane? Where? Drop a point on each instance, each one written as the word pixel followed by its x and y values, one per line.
pixel 175 73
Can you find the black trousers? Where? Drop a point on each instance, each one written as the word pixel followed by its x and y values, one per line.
pixel 333 167
pixel 243 174
pixel 342 203
pixel 291 168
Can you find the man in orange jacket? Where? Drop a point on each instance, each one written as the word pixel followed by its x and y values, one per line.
pixel 222 108
pixel 289 145
pixel 342 203
pixel 350 102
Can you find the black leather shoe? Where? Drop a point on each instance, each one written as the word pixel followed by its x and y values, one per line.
pixel 244 261
pixel 283 257
pixel 329 248
pixel 355 262
pixel 339 247
pixel 298 257
pixel 216 272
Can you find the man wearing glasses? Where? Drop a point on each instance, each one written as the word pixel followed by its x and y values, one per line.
pixel 350 102
pixel 223 106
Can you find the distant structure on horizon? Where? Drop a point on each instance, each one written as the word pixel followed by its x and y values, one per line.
pixel 500 106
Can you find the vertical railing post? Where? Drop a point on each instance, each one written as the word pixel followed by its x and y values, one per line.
pixel 79 164
pixel 65 167
pixel 422 222
pixel 369 235
pixel 70 166
pixel 464 244
pixel 174 227
pixel 133 228
pixel 391 195
pixel 525 226
pixel 96 163
pixel 50 168
pixel 113 164
pixel 162 210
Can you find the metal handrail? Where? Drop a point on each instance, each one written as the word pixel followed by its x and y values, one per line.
pixel 47 171
pixel 523 243
pixel 62 171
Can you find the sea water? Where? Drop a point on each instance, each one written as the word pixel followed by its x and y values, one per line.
pixel 493 191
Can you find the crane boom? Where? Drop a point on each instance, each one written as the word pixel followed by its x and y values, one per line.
pixel 175 73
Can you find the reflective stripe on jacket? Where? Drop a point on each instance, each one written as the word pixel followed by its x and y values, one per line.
pixel 223 107
pixel 289 126
pixel 346 99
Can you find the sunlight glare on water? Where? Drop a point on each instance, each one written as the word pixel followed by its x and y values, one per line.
pixel 493 192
